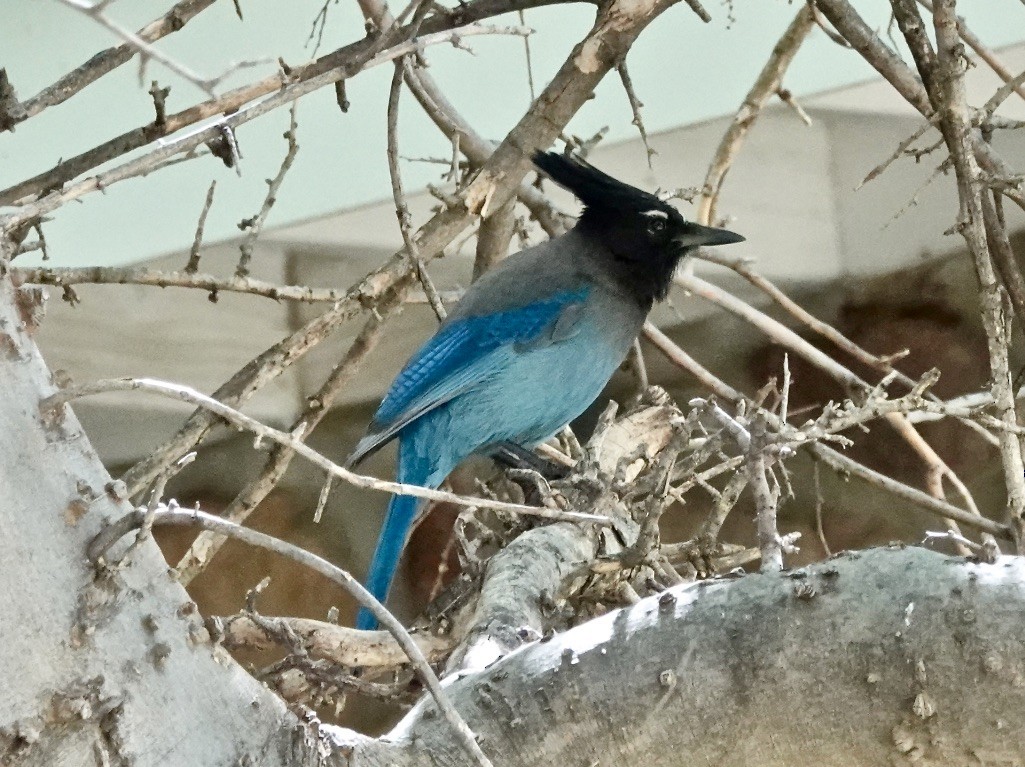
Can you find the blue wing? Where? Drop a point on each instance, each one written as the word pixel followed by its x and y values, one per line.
pixel 461 355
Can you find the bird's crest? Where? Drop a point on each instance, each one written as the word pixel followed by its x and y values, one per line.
pixel 599 190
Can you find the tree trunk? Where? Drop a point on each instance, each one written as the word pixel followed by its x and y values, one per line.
pixel 106 667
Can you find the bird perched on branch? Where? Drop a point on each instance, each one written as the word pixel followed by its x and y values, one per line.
pixel 531 344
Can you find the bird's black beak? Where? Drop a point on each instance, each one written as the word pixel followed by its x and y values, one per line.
pixel 697 235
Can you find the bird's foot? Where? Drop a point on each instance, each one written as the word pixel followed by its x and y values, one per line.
pixel 514 456
pixel 535 487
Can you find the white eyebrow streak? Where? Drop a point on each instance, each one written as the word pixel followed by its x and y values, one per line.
pixel 655 214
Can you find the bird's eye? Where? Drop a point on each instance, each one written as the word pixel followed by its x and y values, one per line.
pixel 656 226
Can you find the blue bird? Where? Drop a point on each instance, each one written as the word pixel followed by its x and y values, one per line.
pixel 530 345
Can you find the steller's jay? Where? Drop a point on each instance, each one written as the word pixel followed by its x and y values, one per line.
pixel 531 344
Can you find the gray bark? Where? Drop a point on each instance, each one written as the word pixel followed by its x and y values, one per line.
pixel 105 668
pixel 895 656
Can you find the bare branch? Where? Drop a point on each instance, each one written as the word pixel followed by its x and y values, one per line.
pixel 213 284
pixel 635 108
pixel 830 456
pixel 695 5
pixel 766 499
pixel 527 56
pixel 493 237
pixel 101 275
pixel 94 10
pixel 895 71
pixel 253 226
pixel 987 55
pixel 962 142
pixel 883 364
pixel 900 151
pixel 193 264
pixel 765 86
pixel 1003 255
pixel 401 208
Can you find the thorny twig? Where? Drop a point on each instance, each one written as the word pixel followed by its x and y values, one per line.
pixel 253 226
pixel 401 208
pixel 193 264
pixel 635 109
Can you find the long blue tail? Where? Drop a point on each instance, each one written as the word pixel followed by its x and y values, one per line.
pixel 397 523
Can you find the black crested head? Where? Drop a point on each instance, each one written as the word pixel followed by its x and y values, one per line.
pixel 643 237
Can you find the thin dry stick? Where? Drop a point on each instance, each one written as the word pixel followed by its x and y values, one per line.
pixel 401 208
pixel 809 320
pixel 261 430
pixel 1002 253
pixel 787 97
pixel 935 470
pixel 116 275
pixel 193 264
pixel 1003 92
pixel 899 152
pixel 765 86
pixel 253 226
pixel 820 501
pixel 182 518
pixel 206 545
pixel 702 14
pixel 924 501
pixel 708 533
pixel 635 108
pixel 527 56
